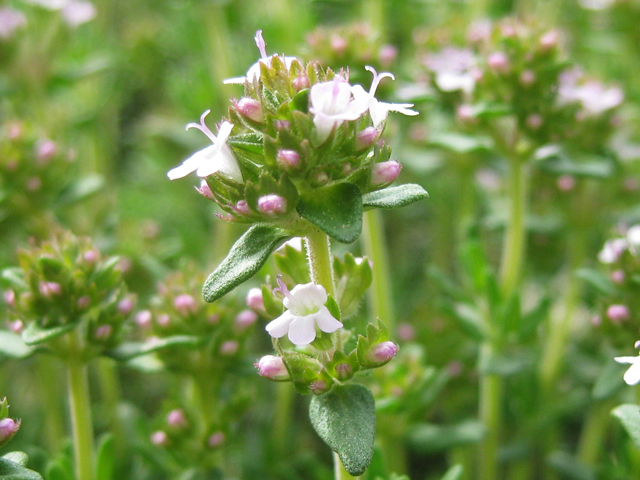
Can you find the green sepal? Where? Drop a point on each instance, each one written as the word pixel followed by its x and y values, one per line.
pixel 345 419
pixel 293 263
pixel 375 334
pixel 629 416
pixel 250 142
pixel 15 277
pixel 12 467
pixel 4 408
pixel 34 334
pixel 333 307
pixel 50 268
pixel 340 358
pixel 244 260
pixel 303 370
pixel 12 346
pixel 394 197
pixel 301 101
pixel 334 209
pixel 352 281
pixel 107 274
pixel 127 351
pixel 272 305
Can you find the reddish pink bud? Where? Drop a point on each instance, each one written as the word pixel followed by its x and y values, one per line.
pixel 617 276
pixel 596 320
pixel 566 183
pixel 618 313
pixel 216 440
pixel 344 371
pixel 34 184
pixel 46 150
pixel 382 353
pixel 466 113
pixel 9 298
pixel 272 204
pixel 83 302
pixel 176 418
pixel 366 138
pixel 103 332
pixel 49 289
pixel 205 190
pixel 125 306
pixel 549 40
pixel 387 55
pixel 288 159
pixel 282 125
pixel 242 207
pixel 498 62
pixel 245 319
pixel 16 326
pixel 273 368
pixel 8 428
pixel 163 320
pixel 254 299
pixel 229 348
pixel 90 256
pixel 300 82
pixel 527 78
pixel 143 319
pixel 185 304
pixel 250 108
pixel 159 438
pixel 406 332
pixel 534 122
pixel 385 172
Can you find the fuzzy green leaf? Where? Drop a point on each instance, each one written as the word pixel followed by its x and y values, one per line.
pixel 244 260
pixel 293 262
pixel 629 416
pixel 345 419
pixel 128 351
pixel 81 189
pixel 352 281
pixel 105 459
pixel 461 143
pixel 12 346
pixel 12 467
pixel 454 473
pixel 34 334
pixel 335 209
pixel 394 197
pixel 597 280
pixel 428 438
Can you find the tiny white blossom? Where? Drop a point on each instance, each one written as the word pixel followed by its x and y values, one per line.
pixel 253 74
pixel 455 69
pixel 332 103
pixel 379 110
pixel 305 308
pixel 214 158
pixel 73 12
pixel 632 375
pixel 612 250
pixel 594 97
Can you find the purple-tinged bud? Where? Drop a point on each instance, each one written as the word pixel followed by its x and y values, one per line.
pixel 387 55
pixel 159 439
pixel 617 276
pixel 281 125
pixel 618 313
pixel 90 256
pixel 16 326
pixel 83 302
pixel 229 348
pixel 382 353
pixel 46 150
pixel 254 299
pixel 245 319
pixel 566 183
pixel 49 289
pixel 250 108
pixel 185 304
pixel 534 122
pixel 319 387
pixel 126 305
pixel 527 78
pixel 163 320
pixel 455 368
pixel 9 298
pixel 508 31
pixel 176 418
pixel 320 178
pixel 338 44
pixel 288 159
pixel 343 371
pixel 498 62
pixel 631 184
pixel 103 332
pixel 272 204
pixel 204 189
pixel 406 332
pixel 385 172
pixel 213 319
pixel 143 319
pixel 466 113
pixel 8 428
pixel 242 207
pixel 549 40
pixel 300 82
pixel 34 184
pixel 125 265
pixel 216 440
pixel 366 138
pixel 273 368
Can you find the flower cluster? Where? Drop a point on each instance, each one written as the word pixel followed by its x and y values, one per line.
pixel 296 129
pixel 65 285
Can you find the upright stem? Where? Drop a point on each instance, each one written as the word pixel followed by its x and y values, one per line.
pixel 339 472
pixel 375 248
pixel 491 417
pixel 81 422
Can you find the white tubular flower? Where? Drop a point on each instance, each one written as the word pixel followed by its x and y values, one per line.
pixel 331 103
pixel 379 110
pixel 253 74
pixel 305 308
pixel 214 158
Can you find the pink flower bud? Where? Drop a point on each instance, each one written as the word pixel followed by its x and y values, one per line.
pixel 90 256
pixel 125 306
pixel 455 368
pixel 344 371
pixel 534 122
pixel 216 440
pixel 213 319
pixel 466 113
pixel 185 304
pixel 338 44
pixel 318 387
pixel 300 82
pixel 245 319
pixel 320 178
pixel 385 172
pixel 527 78
pixel 406 332
pixel 163 320
pixel 34 184
pixel 205 190
pixel 143 319
pixel 387 55
pixel 46 150
pixel 618 313
pixel 49 289
pixel 596 320
pixel 15 130
pixel 381 353
pixel 566 183
pixel 288 159
pixel 9 298
pixel 83 302
pixel 8 428
pixel 16 326
pixel 549 40
pixel 617 276
pixel 159 439
pixel 242 207
pixel 176 418
pixel 637 344
pixel 498 62
pixel 254 299
pixel 366 138
pixel 282 125
pixel 272 204
pixel 250 108
pixel 103 332
pixel 273 368
pixel 229 348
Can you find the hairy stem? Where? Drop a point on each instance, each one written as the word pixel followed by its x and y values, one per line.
pixel 81 422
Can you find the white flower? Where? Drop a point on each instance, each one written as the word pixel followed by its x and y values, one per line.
pixel 454 69
pixel 10 20
pixel 253 74
pixel 305 308
pixel 73 12
pixel 612 250
pixel 331 103
pixel 632 375
pixel 592 95
pixel 379 110
pixel 215 158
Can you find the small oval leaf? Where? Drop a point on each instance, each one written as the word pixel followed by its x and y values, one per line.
pixel 34 334
pixel 394 197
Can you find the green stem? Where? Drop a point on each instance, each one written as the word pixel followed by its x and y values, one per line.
pixel 380 300
pixel 320 261
pixel 49 377
pixel 491 417
pixel 110 390
pixel 593 432
pixel 339 472
pixel 282 420
pixel 374 13
pixel 81 422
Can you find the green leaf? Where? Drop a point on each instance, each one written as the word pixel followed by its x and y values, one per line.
pixel 334 209
pixel 629 416
pixel 12 346
pixel 428 438
pixel 352 281
pixel 34 334
pixel 105 458
pixel 250 142
pixel 609 382
pixel 56 471
pixel 15 277
pixel 345 419
pixel 570 467
pixel 468 317
pixel 460 143
pixel 244 260
pixel 293 262
pixel 454 473
pixel 130 350
pixel 597 280
pixel 394 197
pixel 81 189
pixel 12 470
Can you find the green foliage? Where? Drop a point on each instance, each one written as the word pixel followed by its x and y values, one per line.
pixel 352 279
pixel 394 197
pixel 13 467
pixel 628 415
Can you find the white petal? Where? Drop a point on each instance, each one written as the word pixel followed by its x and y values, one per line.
pixel 378 113
pixel 326 322
pixel 450 82
pixel 403 108
pixel 223 132
pixel 235 81
pixel 626 359
pixel 192 163
pixel 632 376
pixel 633 235
pixel 279 327
pixel 359 93
pixel 302 330
pixel 306 299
